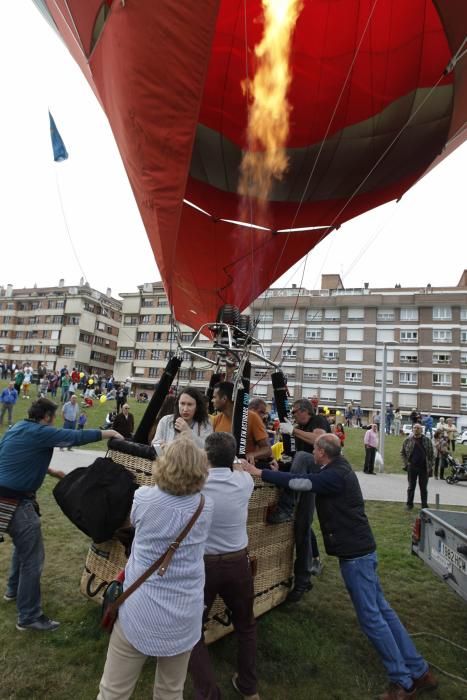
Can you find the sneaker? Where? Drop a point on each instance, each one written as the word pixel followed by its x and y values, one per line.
pixel 316 566
pixel 277 517
pixel 426 682
pixel 9 598
pixel 42 624
pixel 297 593
pixel 398 692
pixel 245 697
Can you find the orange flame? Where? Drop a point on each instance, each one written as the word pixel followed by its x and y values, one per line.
pixel 268 119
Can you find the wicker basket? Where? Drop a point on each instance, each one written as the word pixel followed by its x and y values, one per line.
pixel 272 547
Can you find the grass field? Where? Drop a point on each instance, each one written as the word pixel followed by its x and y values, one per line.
pixel 311 650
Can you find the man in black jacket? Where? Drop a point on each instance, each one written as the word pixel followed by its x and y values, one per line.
pixel 348 536
pixel 307 559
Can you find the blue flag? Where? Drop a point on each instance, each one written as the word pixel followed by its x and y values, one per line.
pixel 60 152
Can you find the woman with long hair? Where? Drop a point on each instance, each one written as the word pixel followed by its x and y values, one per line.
pixel 190 418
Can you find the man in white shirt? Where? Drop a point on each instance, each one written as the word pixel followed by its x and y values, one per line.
pixel 228 570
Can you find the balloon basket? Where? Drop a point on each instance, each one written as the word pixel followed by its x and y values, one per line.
pixel 271 548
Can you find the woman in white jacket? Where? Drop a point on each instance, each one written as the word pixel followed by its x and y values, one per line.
pixel 190 418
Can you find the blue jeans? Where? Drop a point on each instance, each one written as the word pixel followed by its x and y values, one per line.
pixel 69 424
pixel 306 546
pixel 26 563
pixel 380 623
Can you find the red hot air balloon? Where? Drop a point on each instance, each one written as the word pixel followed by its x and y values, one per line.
pixel 378 95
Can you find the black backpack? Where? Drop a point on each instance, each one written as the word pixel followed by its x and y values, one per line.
pixel 97 499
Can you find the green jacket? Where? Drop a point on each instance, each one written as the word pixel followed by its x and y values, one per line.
pixel 408 447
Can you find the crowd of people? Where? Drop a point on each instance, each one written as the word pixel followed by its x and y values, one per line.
pixel 201 482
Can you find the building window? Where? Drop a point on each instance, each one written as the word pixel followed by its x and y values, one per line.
pixel 96 355
pixel 130 320
pixel 264 333
pixel 157 354
pixel 409 313
pixel 199 375
pixel 291 314
pixel 463 313
pixel 145 319
pixel 331 334
pixel 85 338
pixel 187 337
pixel 441 379
pixel 125 354
pixel 355 334
pixel 57 319
pixel 330 355
pixel 313 333
pixel 153 372
pixel 409 336
pixel 160 319
pixel 140 354
pixel 355 312
pixel 332 314
pixel 379 377
pixel 72 320
pixel 384 335
pixel 463 358
pixel 408 378
pixel 441 401
pixel 463 335
pixel 353 375
pixel 378 397
pixel 142 337
pixel 463 379
pixel 32 348
pixel 408 357
pixel 328 395
pixel 309 373
pixel 464 402
pixel 265 317
pixel 441 358
pixel 407 400
pixel 442 335
pixel 291 334
pixel 314 315
pixel 354 355
pixel 312 353
pixel 386 315
pixel 289 353
pixel 147 303
pixel 162 302
pixel 352 395
pixel 329 375
pixel 442 313
pixel 68 351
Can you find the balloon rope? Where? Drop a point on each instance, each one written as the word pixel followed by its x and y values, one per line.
pixel 67 228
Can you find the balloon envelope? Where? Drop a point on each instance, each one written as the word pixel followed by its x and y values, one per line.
pixel 372 109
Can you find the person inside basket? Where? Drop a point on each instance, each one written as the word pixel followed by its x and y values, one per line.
pixel 348 536
pixel 189 418
pixel 257 443
pixel 307 558
pixel 26 451
pixel 228 569
pixel 163 616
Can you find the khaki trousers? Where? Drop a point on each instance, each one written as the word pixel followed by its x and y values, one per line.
pixel 123 667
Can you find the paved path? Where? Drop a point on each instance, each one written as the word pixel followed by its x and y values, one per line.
pixel 382 487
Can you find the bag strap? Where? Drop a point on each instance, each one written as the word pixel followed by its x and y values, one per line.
pixel 163 562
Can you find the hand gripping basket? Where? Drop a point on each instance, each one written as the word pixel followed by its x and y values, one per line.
pixel 271 546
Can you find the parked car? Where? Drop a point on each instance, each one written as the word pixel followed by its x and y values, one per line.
pixel 462 438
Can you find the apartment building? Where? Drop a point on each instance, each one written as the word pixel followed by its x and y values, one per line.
pixel 147 339
pixel 330 344
pixel 64 325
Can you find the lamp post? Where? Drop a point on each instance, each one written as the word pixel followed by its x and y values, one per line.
pixel 382 423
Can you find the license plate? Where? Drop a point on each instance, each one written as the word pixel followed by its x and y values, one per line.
pixel 454 557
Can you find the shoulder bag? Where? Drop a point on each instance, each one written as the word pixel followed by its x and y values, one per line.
pixel 115 596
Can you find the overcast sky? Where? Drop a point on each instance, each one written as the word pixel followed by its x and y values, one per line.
pixel 419 240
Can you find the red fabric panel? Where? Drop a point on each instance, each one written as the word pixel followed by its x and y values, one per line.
pixel 149 67
pixel 84 16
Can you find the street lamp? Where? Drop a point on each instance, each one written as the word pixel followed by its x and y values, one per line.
pixel 382 423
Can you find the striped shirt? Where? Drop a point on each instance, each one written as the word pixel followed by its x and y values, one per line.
pixel 230 491
pixel 163 616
